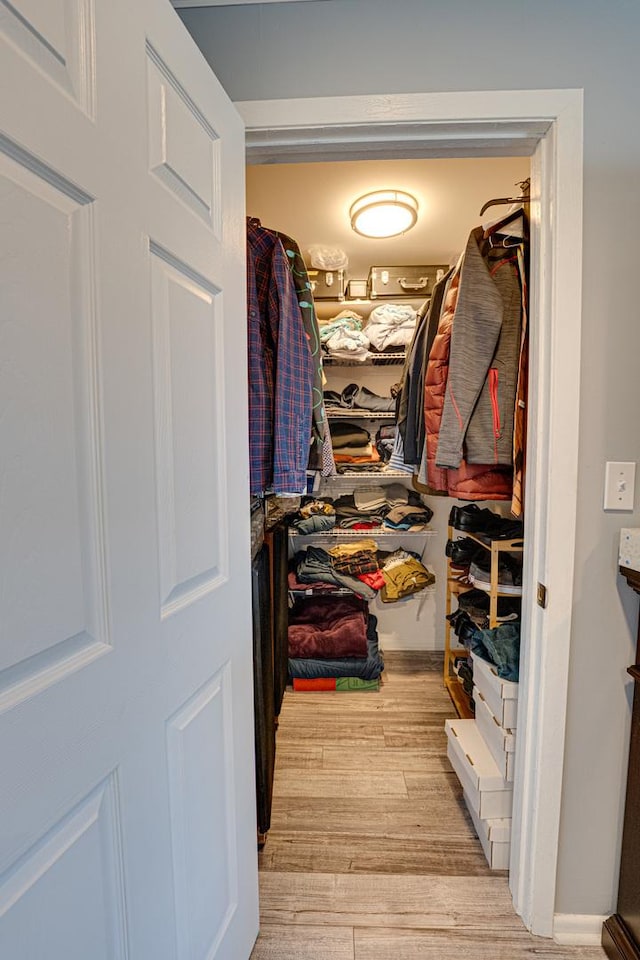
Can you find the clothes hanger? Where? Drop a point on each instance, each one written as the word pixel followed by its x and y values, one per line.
pixel 512 225
pixel 524 187
pixel 503 243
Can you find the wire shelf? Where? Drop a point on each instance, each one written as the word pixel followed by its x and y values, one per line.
pixel 338 413
pixel 373 359
pixel 339 532
pixel 379 475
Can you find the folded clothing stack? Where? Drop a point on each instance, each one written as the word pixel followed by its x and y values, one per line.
pixel 355 558
pixel 361 568
pixel 331 638
pixel 355 397
pixel 391 325
pixel 314 565
pixel 405 508
pixel 410 517
pixel 385 441
pixel 315 516
pixel 337 684
pixel 404 574
pixel 343 338
pixel 352 444
pixel 377 498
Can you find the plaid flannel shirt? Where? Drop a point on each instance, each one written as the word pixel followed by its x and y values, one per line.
pixel 280 369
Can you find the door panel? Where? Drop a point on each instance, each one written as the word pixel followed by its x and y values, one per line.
pixel 73 923
pixel 127 801
pixel 183 145
pixel 57 38
pixel 188 374
pixel 203 820
pixel 54 593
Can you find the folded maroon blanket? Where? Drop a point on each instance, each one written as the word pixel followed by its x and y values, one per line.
pixel 325 628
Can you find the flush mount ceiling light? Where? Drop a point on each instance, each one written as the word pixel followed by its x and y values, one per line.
pixel 384 213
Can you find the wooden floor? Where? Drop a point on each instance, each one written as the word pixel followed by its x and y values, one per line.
pixel 371 853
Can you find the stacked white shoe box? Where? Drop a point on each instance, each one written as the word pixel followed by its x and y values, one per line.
pixel 481 752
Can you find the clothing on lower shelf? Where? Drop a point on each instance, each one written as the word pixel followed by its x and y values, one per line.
pixel 314 565
pixel 369 667
pixel 355 397
pixel 404 575
pixel 348 684
pixel 328 627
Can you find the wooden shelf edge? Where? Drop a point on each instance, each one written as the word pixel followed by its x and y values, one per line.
pixel 456 586
pixel 514 545
pixel 617 941
pixel 458 652
pixel 459 698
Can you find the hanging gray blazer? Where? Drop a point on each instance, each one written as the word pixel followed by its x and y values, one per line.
pixel 483 362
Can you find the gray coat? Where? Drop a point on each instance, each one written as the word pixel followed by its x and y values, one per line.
pixel 483 361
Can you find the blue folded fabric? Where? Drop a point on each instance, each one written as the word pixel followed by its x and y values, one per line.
pixel 316 523
pixel 499 646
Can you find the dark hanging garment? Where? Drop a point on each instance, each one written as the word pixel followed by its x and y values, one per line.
pixel 277 541
pixel 263 689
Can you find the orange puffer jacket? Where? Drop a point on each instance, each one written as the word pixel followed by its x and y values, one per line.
pixel 469 481
pixel 435 382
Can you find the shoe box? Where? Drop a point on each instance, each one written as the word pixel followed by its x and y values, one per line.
pixel 487 792
pixel 501 741
pixel 494 835
pixel 500 696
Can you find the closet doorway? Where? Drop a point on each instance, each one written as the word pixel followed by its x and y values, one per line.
pixel 547 127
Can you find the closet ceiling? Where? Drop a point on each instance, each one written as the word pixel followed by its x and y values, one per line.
pixel 310 202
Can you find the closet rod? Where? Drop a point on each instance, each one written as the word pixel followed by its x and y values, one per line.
pixel 524 187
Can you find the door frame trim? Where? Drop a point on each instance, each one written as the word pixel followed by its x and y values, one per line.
pixel 548 126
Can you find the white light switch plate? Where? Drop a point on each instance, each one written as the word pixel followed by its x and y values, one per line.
pixel 619 485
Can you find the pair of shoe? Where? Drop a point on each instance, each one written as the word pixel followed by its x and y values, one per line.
pixel 471 517
pixel 464 671
pixel 509 574
pixel 476 603
pixel 462 624
pixel 487 523
pixel 462 550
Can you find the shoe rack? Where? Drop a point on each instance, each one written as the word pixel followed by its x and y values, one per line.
pixel 462 702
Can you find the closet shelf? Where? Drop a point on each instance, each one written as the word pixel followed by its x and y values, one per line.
pixel 374 359
pixel 500 546
pixel 368 475
pixel 375 533
pixel 458 586
pixel 499 593
pixel 334 413
pixel 310 592
pixel 462 702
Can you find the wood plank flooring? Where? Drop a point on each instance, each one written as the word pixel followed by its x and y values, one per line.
pixel 371 853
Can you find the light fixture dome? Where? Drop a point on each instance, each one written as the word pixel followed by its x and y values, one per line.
pixel 384 213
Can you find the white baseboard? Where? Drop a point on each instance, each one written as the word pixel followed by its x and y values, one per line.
pixel 573 929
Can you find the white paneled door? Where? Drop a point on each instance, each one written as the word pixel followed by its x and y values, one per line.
pixel 127 824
